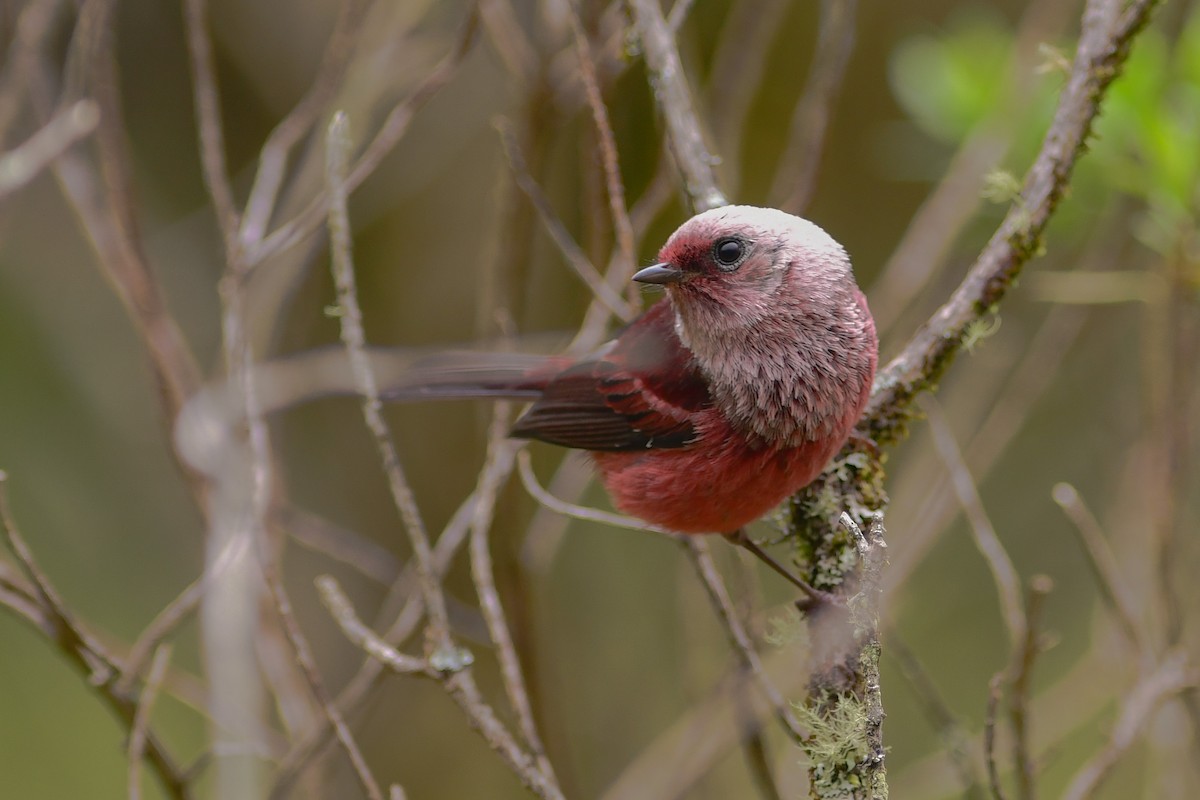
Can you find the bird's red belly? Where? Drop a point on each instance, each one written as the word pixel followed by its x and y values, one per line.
pixel 716 486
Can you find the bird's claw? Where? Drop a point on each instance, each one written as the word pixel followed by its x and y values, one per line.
pixel 861 441
pixel 819 600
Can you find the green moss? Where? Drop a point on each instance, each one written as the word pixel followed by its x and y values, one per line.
pixel 788 629
pixel 836 747
pixel 977 330
pixel 853 483
pixel 1001 186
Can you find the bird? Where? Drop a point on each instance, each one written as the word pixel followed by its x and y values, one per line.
pixel 726 396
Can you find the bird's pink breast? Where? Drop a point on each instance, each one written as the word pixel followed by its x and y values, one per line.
pixel 715 486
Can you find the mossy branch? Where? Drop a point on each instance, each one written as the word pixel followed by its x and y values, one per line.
pixel 844 693
pixel 1108 33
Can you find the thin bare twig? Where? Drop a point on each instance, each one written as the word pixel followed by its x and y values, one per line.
pixel 208 121
pixel 462 689
pixel 308 666
pixel 1020 677
pixel 149 641
pixel 796 173
pixel 548 528
pixel 1174 675
pixel 718 594
pixel 1020 617
pixel 703 734
pixel 574 254
pixel 405 622
pixel 141 718
pixel 595 324
pixel 1103 564
pixel 458 684
pixel 100 198
pixel 1025 384
pixel 947 724
pixel 740 60
pixel 16 594
pixel 354 338
pixel 538 493
pixel 44 608
pixel 32 28
pixel 678 15
pixel 674 98
pixel 489 599
pixel 394 126
pixel 320 535
pixel 272 159
pixel 1008 585
pixel 510 41
pixel 608 154
pixel 362 636
pixel 26 161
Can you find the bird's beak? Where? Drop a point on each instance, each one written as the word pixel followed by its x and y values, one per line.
pixel 659 273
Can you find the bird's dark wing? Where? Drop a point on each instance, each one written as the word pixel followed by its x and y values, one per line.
pixel 640 394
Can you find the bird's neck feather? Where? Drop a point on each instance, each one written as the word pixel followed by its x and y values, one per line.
pixel 783 376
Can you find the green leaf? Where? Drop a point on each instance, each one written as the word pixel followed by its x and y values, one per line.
pixel 950 83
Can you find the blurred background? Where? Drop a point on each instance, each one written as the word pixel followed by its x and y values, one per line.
pixel 1085 376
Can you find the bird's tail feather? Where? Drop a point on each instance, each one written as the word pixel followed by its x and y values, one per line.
pixel 401 374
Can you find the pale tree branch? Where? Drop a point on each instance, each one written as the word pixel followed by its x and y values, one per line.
pixel 956 198
pixel 678 14
pixel 990 727
pixel 239 484
pixel 304 657
pixel 674 99
pixel 740 60
pixel 1020 616
pixel 445 661
pixel 1020 679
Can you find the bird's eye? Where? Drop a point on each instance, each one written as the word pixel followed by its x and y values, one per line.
pixel 729 252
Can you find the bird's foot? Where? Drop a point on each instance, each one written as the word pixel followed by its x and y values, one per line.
pixel 813 599
pixel 861 441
